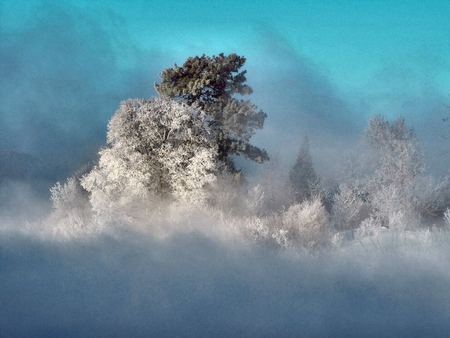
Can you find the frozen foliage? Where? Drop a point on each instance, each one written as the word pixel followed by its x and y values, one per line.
pixel 400 161
pixel 442 194
pixel 396 194
pixel 389 203
pixel 263 214
pixel 303 226
pixel 447 217
pixel 155 149
pixel 307 224
pixel 71 214
pixel 213 84
pixel 350 207
pixel 228 195
pixel 158 174
pixel 399 184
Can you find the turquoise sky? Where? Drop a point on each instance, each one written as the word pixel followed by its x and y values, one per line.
pixel 317 66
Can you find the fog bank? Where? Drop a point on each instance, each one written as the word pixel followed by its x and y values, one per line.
pixel 195 285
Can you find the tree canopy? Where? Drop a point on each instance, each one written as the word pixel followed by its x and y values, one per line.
pixel 400 159
pixel 157 148
pixel 212 83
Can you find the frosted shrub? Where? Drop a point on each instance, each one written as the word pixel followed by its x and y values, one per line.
pixel 255 199
pixel 257 230
pixel 443 193
pixel 281 237
pixel 447 218
pixel 394 209
pixel 399 192
pixel 424 236
pixel 267 230
pixel 349 208
pixel 71 216
pixel 68 196
pixel 429 197
pixel 370 229
pixel 307 224
pixel 336 240
pixel 227 195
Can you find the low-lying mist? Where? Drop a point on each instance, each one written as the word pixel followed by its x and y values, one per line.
pixel 181 270
pixel 196 283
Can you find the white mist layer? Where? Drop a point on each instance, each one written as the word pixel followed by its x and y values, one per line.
pixel 200 284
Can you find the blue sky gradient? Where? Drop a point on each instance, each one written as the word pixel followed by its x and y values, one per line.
pixel 317 66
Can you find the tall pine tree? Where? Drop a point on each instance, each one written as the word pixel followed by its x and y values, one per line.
pixel 212 84
pixel 302 175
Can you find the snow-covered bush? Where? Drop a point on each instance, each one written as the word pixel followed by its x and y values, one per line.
pixel 442 193
pixel 69 196
pixel 430 197
pixel 71 214
pixel 447 218
pixel 369 229
pixel 158 149
pixel 228 195
pixel 307 224
pixel 350 207
pixel 394 208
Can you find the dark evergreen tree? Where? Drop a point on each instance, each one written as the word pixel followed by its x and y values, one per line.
pixel 302 175
pixel 212 83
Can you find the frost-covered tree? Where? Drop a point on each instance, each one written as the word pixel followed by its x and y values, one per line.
pixel 212 83
pixel 400 160
pixel 302 176
pixel 155 149
pixel 399 165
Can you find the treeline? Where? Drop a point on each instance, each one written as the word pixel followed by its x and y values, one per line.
pixel 168 164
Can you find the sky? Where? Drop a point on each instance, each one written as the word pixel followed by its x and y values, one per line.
pixel 321 67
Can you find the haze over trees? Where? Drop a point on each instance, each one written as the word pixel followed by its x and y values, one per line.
pixel 302 175
pixel 171 157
